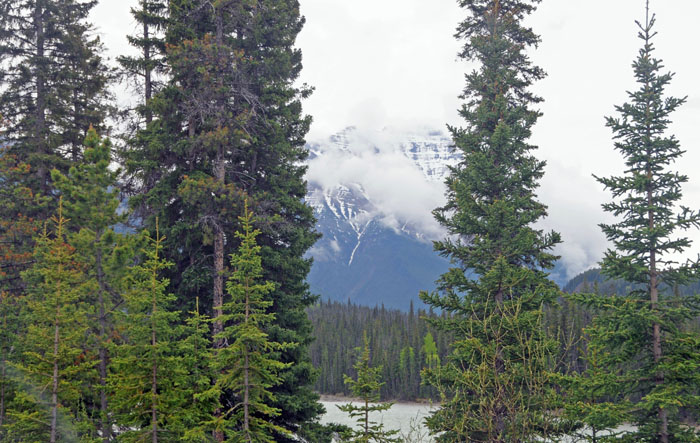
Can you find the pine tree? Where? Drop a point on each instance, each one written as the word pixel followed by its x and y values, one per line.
pixel 366 388
pixel 54 83
pixel 55 365
pixel 147 373
pixel 247 366
pixel 92 202
pixel 643 329
pixel 496 382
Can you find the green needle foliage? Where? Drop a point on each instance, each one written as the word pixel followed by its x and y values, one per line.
pixel 17 228
pixel 228 123
pixel 52 373
pixel 644 333
pixel 147 372
pixel 54 83
pixel 200 399
pixel 92 202
pixel 496 383
pixel 248 366
pixel 366 388
pixel 595 398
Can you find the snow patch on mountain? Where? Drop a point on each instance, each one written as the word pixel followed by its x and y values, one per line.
pixel 395 179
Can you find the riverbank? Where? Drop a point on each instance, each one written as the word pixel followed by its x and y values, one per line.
pixel 346 399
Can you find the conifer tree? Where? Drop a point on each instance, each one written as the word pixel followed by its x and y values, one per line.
pixel 366 388
pixel 496 383
pixel 49 405
pixel 643 330
pixel 200 398
pixel 16 231
pixel 53 83
pixel 219 134
pixel 145 69
pixel 147 373
pixel 595 400
pixel 91 202
pixel 247 366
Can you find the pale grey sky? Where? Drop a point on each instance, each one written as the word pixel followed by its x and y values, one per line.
pixel 392 63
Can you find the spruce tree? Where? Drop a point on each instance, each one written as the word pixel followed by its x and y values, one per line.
pixel 147 373
pixel 366 388
pixel 200 397
pixel 496 383
pixel 644 329
pixel 17 228
pixel 144 71
pixel 54 368
pixel 53 83
pixel 219 134
pixel 247 366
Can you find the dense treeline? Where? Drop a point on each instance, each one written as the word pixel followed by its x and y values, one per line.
pixel 403 343
pixel 591 278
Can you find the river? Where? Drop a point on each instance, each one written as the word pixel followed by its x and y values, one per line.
pixel 407 418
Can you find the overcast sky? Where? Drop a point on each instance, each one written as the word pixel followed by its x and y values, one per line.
pixel 393 63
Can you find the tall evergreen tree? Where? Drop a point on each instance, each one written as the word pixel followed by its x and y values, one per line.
pixel 644 330
pixel 275 159
pixel 145 69
pixel 50 405
pixel 148 373
pixel 495 383
pixel 247 366
pixel 54 83
pixel 91 202
pixel 229 123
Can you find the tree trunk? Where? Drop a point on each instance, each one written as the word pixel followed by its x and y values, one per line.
pixel 219 175
pixel 246 398
pixel 40 136
pixel 656 328
pixel 218 299
pixel 54 388
pixel 105 425
pixel 76 144
pixel 500 408
pixel 148 86
pixel 246 375
pixel 3 369
pixel 154 370
pixel 366 418
pixel 2 388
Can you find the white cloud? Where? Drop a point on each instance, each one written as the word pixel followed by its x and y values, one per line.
pixel 394 184
pixel 393 63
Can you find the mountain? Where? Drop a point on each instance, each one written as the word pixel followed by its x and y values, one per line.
pixel 370 254
pixel 373 194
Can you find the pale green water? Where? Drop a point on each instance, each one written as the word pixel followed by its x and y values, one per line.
pixel 405 417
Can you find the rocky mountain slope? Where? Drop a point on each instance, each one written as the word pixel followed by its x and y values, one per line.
pixel 369 254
